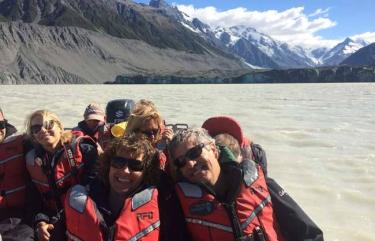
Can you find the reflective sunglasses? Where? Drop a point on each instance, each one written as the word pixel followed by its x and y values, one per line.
pixel 133 164
pixel 47 125
pixel 192 154
pixel 3 124
pixel 150 133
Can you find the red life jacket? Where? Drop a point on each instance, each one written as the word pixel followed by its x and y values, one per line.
pixel 162 159
pixel 208 219
pixel 102 136
pixel 138 219
pixel 12 173
pixel 65 172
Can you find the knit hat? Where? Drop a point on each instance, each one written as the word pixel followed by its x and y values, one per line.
pixel 94 112
pixel 225 124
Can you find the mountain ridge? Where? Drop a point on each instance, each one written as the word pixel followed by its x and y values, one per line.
pixel 34 54
pixel 46 36
pixel 364 56
pixel 275 54
pixel 123 19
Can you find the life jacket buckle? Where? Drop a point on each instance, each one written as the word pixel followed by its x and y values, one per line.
pixel 259 234
pixel 246 238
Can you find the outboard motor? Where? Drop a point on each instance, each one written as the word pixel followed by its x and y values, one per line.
pixel 119 110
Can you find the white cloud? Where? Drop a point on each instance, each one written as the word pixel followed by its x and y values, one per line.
pixel 320 12
pixel 292 25
pixel 368 36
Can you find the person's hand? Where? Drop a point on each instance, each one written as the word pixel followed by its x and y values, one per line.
pixel 43 230
pixel 99 149
pixel 167 134
pixel 247 153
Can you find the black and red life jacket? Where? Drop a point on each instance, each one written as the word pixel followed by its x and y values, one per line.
pixel 53 176
pixel 101 136
pixel 12 173
pixel 250 216
pixel 138 219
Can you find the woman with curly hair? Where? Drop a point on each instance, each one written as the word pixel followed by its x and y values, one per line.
pixel 130 200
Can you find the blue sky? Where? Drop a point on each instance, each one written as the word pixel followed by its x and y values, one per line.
pixel 307 22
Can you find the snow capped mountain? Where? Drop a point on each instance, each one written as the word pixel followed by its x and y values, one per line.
pixel 342 51
pixel 319 52
pixel 364 56
pixel 282 54
pixel 260 49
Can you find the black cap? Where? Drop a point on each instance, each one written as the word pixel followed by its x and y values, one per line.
pixel 119 110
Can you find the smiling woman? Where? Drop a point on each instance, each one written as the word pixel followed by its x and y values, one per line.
pixel 130 199
pixel 58 160
pixel 146 119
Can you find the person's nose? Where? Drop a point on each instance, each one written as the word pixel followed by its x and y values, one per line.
pixel 190 163
pixel 126 170
pixel 43 129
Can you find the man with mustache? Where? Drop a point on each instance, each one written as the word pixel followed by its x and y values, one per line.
pixel 222 199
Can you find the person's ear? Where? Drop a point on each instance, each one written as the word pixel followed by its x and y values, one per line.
pixel 214 150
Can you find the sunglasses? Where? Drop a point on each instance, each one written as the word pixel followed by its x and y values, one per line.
pixel 47 125
pixel 150 133
pixel 192 154
pixel 133 164
pixel 3 124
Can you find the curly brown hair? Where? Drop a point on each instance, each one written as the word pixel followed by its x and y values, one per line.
pixel 136 145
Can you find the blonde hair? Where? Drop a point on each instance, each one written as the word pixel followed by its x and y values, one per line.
pixel 144 110
pixel 66 136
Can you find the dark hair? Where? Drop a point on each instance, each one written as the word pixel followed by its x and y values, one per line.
pixel 137 145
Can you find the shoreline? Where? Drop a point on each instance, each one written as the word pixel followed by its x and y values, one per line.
pixel 339 74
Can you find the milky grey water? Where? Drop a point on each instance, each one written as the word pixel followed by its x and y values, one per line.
pixel 319 138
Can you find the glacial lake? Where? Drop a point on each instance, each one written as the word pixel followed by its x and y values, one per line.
pixel 319 138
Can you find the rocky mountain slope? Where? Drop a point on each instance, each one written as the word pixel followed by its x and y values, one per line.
pixel 31 53
pixel 124 19
pixel 364 56
pixel 341 51
pixel 93 41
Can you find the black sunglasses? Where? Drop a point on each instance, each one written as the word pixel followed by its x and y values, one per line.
pixel 3 124
pixel 133 164
pixel 47 125
pixel 192 154
pixel 150 133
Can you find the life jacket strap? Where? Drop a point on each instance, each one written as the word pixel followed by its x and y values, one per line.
pixel 10 158
pixel 4 193
pixel 145 231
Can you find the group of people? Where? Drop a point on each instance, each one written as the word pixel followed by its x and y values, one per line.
pixel 91 183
